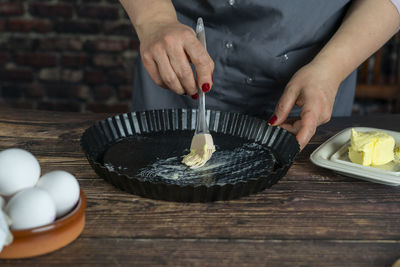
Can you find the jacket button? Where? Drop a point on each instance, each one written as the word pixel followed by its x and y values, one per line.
pixel 249 80
pixel 228 45
pixel 284 58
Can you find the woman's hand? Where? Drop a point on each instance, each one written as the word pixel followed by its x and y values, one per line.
pixel 313 88
pixel 367 25
pixel 167 49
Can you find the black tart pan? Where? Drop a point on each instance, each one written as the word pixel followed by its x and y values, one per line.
pixel 141 153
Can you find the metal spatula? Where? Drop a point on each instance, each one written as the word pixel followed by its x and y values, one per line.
pixel 202 145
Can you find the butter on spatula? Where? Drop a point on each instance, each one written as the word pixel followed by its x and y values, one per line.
pixel 371 148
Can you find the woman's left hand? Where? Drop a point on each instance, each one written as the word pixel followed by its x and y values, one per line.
pixel 313 88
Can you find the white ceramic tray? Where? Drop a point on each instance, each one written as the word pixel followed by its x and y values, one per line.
pixel 333 155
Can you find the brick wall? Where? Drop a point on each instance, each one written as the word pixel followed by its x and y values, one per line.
pixel 69 55
pixel 79 55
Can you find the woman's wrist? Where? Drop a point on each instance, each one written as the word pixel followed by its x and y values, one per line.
pixel 147 27
pixel 331 67
pixel 146 15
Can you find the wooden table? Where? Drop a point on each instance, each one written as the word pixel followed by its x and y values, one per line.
pixel 313 216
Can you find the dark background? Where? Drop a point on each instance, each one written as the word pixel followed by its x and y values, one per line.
pixel 79 55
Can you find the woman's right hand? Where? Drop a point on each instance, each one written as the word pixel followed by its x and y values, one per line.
pixel 167 49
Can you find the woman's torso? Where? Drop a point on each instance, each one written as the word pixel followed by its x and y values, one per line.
pixel 256 46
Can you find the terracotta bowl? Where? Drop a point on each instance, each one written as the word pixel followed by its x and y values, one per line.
pixel 47 238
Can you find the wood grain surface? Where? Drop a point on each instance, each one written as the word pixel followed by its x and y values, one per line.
pixel 312 217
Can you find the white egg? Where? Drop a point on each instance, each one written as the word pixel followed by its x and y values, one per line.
pixel 29 208
pixel 19 169
pixel 63 188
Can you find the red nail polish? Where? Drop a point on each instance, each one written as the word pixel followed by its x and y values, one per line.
pixel 205 87
pixel 195 96
pixel 272 120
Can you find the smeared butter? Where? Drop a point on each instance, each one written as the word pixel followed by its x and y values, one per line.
pixel 371 148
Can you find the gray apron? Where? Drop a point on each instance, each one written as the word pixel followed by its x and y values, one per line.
pixel 256 45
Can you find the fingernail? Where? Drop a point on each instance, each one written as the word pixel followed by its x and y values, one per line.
pixel 195 96
pixel 205 87
pixel 272 120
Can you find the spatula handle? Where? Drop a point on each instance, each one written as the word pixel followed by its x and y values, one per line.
pixel 201 126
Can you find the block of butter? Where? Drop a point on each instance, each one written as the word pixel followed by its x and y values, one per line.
pixel 371 148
